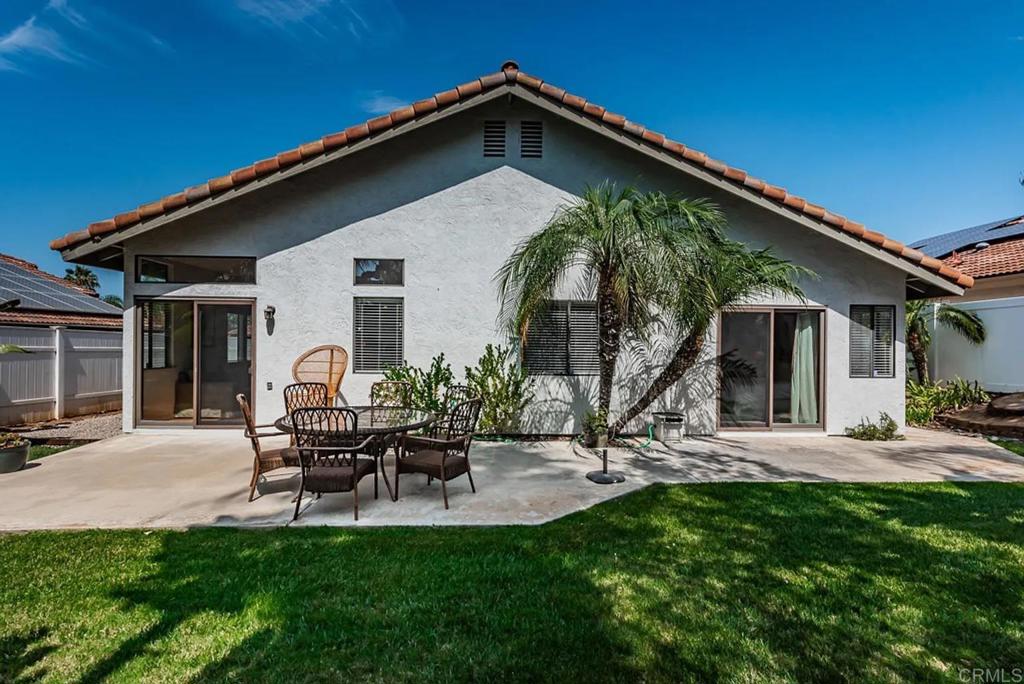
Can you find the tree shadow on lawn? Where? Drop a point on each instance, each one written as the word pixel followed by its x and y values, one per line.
pixel 20 653
pixel 807 582
pixel 828 582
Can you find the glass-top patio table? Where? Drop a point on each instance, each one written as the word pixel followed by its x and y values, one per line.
pixel 379 421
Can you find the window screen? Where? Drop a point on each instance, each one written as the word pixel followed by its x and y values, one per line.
pixel 531 139
pixel 494 138
pixel 563 340
pixel 872 341
pixel 378 337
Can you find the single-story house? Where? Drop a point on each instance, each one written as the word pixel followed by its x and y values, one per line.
pixel 385 237
pixel 73 340
pixel 993 254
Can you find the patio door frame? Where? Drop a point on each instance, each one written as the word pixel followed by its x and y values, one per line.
pixel 137 364
pixel 771 310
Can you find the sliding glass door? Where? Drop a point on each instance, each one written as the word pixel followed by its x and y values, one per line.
pixel 225 362
pixel 194 357
pixel 771 368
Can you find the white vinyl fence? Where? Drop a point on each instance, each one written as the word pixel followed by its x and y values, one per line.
pixel 67 373
pixel 998 363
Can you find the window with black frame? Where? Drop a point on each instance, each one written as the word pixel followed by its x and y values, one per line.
pixel 195 269
pixel 872 341
pixel 563 340
pixel 379 272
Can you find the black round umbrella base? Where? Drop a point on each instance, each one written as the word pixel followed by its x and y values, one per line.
pixel 601 477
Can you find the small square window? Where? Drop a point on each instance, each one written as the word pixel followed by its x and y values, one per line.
pixel 379 272
pixel 872 341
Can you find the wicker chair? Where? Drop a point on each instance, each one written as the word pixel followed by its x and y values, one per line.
pixel 444 452
pixel 328 453
pixel 327 364
pixel 455 395
pixel 264 460
pixel 389 394
pixel 305 395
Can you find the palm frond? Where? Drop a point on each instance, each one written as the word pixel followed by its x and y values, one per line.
pixel 966 323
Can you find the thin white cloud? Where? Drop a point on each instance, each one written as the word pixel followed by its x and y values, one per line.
pixel 361 19
pixel 33 40
pixel 68 13
pixel 377 102
pixel 64 33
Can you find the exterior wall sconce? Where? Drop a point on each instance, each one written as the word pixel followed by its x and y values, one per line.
pixel 268 316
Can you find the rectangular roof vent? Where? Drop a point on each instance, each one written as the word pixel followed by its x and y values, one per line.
pixel 494 138
pixel 531 140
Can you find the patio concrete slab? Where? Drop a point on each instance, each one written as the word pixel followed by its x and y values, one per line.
pixel 199 478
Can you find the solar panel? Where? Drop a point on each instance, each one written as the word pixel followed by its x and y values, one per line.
pixel 38 292
pixel 943 245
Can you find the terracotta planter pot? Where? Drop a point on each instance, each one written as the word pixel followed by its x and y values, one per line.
pixel 13 458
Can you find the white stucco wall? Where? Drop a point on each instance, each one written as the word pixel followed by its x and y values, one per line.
pixel 431 198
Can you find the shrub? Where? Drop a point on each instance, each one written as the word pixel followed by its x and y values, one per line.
pixel 595 423
pixel 9 439
pixel 428 386
pixel 504 387
pixel 885 431
pixel 924 402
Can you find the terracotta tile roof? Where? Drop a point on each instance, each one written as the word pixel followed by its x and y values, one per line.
pixel 509 74
pixel 21 317
pixel 1000 258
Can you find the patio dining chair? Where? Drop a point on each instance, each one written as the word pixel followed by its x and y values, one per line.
pixel 328 446
pixel 444 452
pixel 304 395
pixel 264 460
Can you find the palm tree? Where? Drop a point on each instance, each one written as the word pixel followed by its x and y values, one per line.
pixel 920 313
pixel 82 276
pixel 722 275
pixel 114 300
pixel 626 247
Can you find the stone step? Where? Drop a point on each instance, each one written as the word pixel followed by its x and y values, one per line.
pixel 1007 405
pixel 980 420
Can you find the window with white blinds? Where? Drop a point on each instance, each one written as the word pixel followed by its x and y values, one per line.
pixel 563 340
pixel 378 337
pixel 494 138
pixel 531 139
pixel 872 341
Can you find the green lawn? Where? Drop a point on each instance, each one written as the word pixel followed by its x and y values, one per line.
pixel 41 450
pixel 768 582
pixel 1013 445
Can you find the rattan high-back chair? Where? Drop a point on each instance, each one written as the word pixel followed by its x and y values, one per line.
pixel 326 363
pixel 264 460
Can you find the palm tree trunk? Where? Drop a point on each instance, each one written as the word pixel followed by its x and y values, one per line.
pixel 920 355
pixel 609 331
pixel 683 359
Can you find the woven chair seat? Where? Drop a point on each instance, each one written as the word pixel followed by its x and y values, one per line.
pixel 325 479
pixel 286 457
pixel 428 462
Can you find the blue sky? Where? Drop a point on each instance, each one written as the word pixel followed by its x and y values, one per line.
pixel 908 116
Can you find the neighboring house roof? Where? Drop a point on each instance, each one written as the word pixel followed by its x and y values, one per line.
pixel 46 299
pixel 510 76
pixel 1001 258
pixel 18 317
pixel 940 246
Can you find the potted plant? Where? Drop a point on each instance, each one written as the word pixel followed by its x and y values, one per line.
pixel 595 429
pixel 13 452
